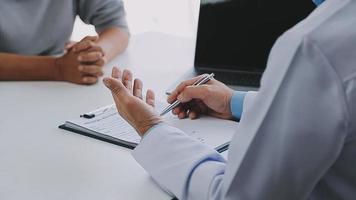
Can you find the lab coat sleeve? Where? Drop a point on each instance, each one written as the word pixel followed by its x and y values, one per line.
pixel 173 159
pixel 290 134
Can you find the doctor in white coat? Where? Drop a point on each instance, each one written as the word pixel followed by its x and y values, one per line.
pixel 297 134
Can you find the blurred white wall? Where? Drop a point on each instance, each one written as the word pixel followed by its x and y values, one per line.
pixel 175 17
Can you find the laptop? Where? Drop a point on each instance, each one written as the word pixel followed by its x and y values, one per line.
pixel 234 38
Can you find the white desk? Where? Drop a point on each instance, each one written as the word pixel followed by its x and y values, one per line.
pixel 39 161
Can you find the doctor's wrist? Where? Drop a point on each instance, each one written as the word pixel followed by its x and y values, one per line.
pixel 146 126
pixel 152 129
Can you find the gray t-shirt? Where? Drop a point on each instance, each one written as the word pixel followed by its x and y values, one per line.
pixel 42 27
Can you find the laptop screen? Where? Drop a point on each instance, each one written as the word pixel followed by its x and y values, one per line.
pixel 238 34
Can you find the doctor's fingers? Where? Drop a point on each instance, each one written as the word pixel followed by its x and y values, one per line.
pixel 193 114
pixel 127 80
pixel 116 73
pixel 150 98
pixel 118 90
pixel 195 92
pixel 177 110
pixel 183 110
pixel 115 84
pixel 137 88
pixel 180 110
pixel 196 105
pixel 181 86
pixel 197 108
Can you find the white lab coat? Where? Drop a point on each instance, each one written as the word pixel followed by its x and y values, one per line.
pixel 297 135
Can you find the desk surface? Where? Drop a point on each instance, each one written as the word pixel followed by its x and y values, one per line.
pixel 39 161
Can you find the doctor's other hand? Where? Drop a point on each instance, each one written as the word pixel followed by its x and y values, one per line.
pixel 211 99
pixel 128 98
pixel 68 68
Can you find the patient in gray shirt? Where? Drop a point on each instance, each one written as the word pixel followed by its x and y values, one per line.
pixel 31 32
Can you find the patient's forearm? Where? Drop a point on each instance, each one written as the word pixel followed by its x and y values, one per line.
pixel 113 41
pixel 21 68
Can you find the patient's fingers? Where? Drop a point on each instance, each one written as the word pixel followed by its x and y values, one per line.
pixel 91 69
pixel 89 80
pixel 101 62
pixel 85 44
pixel 90 56
pixel 69 45
pixel 89 37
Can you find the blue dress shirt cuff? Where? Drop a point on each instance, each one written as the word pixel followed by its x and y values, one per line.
pixel 236 103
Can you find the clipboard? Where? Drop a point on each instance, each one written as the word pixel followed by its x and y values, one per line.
pixel 107 125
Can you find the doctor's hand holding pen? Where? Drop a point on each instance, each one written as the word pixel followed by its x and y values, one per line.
pixel 212 98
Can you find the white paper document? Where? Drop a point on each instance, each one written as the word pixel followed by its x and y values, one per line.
pixel 108 122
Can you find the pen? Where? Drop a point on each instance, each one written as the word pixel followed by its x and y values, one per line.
pixel 201 81
pixel 87 116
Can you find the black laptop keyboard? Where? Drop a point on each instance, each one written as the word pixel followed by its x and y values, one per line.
pixel 251 80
